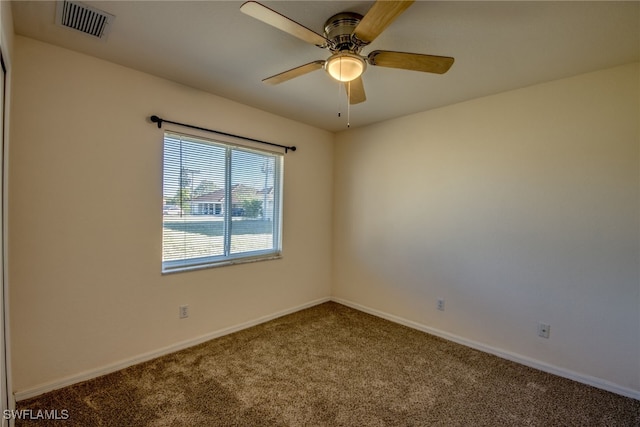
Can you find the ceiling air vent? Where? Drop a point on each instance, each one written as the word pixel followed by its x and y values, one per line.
pixel 81 17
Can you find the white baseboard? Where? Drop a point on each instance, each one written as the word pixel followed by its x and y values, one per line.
pixel 94 373
pixel 523 360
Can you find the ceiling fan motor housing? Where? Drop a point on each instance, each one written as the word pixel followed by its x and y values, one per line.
pixel 339 30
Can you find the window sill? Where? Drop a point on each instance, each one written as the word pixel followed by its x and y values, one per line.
pixel 224 263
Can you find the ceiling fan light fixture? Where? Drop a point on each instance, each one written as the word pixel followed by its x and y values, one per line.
pixel 345 67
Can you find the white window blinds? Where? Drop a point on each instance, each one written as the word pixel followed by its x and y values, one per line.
pixel 222 203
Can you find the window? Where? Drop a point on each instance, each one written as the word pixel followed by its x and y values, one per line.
pixel 222 203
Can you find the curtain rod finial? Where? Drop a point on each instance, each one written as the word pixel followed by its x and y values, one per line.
pixel 156 119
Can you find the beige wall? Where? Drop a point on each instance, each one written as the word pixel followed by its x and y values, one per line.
pixel 85 218
pixel 6 30
pixel 517 208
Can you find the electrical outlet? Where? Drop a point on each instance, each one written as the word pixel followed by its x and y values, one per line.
pixel 440 304
pixel 543 330
pixel 183 311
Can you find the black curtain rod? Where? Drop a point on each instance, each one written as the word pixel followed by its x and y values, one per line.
pixel 159 121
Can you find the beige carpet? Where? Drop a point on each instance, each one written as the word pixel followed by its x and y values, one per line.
pixel 333 366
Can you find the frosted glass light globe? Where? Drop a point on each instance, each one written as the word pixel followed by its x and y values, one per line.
pixel 345 67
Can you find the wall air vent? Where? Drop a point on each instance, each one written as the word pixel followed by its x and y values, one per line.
pixel 80 17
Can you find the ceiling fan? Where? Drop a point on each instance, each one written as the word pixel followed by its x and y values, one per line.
pixel 345 35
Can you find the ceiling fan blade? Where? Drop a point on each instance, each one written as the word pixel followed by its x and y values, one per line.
pixel 355 91
pixel 378 18
pixel 281 22
pixel 410 61
pixel 294 72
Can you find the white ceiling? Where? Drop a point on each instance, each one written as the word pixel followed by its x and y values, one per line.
pixel 211 45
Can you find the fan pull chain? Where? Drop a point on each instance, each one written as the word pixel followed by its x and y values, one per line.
pixel 339 103
pixel 348 104
pixel 348 96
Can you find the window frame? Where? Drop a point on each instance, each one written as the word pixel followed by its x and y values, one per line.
pixel 228 257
